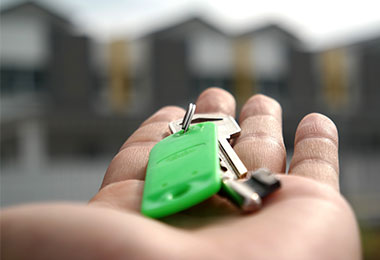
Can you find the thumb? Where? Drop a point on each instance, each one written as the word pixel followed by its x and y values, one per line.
pixel 122 195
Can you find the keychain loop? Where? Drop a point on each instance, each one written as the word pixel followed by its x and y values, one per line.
pixel 188 117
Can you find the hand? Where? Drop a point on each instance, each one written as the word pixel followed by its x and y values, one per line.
pixel 306 219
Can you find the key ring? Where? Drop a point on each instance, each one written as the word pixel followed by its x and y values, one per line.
pixel 188 116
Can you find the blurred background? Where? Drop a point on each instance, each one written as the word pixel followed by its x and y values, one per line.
pixel 78 77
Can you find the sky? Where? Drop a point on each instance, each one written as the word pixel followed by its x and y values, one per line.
pixel 316 22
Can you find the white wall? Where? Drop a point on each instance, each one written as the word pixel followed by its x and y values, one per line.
pixel 211 54
pixel 268 55
pixel 24 40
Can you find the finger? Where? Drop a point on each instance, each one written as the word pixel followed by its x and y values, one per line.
pixel 216 100
pixel 131 161
pixel 316 150
pixel 260 144
pixel 155 128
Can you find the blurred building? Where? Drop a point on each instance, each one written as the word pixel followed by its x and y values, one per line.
pixel 32 54
pixel 272 60
pixel 172 65
pixel 187 58
pixel 348 90
pixel 40 53
pixel 50 91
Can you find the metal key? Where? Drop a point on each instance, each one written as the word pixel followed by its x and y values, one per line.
pixel 248 193
pixel 230 162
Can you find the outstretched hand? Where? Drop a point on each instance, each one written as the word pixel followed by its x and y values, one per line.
pixel 306 219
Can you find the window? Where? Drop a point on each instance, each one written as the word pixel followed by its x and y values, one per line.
pixel 18 81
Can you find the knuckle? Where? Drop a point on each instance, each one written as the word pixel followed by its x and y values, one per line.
pixel 318 148
pixel 263 140
pixel 263 126
pixel 262 136
pixel 321 145
pixel 316 151
pixel 312 162
pixel 264 152
pixel 261 123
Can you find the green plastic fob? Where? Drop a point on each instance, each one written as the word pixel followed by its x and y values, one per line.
pixel 183 170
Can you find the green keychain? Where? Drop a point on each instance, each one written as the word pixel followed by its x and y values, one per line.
pixel 183 170
pixel 187 167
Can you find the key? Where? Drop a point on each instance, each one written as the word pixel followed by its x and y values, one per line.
pixel 248 193
pixel 263 182
pixel 183 170
pixel 227 129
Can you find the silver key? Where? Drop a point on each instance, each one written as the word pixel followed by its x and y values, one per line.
pixel 249 193
pixel 230 162
pixel 249 200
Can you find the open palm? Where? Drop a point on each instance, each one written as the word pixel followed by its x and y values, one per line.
pixel 306 219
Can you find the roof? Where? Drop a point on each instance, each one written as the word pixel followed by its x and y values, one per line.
pixel 367 41
pixel 34 5
pixel 271 27
pixel 183 23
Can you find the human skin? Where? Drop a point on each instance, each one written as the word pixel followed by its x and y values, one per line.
pixel 306 219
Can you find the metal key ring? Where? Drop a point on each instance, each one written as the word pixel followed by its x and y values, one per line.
pixel 188 117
